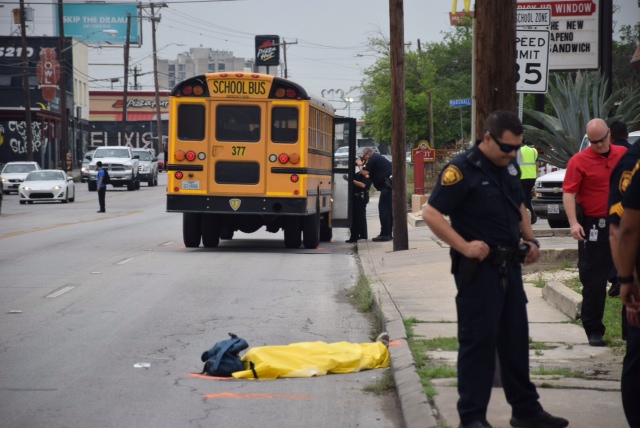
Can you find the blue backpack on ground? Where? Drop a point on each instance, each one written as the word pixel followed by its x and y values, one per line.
pixel 224 359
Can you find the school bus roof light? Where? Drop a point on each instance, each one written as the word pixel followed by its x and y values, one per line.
pixel 291 93
pixel 191 155
pixel 198 90
pixel 186 90
pixel 179 155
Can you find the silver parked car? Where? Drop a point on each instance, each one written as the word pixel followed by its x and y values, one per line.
pixel 14 173
pixel 47 185
pixel 147 166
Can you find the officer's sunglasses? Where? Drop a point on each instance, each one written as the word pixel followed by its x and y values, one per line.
pixel 506 148
pixel 601 140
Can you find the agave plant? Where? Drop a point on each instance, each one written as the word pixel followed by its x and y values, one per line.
pixel 576 101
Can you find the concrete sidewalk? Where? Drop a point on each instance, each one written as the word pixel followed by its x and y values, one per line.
pixel 417 283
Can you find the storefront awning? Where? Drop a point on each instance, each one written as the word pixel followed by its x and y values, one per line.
pixel 136 117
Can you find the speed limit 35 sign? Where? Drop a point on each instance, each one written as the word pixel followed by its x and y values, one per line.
pixel 532 61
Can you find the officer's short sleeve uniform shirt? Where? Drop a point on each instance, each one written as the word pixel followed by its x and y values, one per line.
pixel 620 179
pixel 380 168
pixel 478 209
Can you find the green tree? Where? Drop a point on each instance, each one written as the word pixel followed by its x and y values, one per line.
pixel 442 68
pixel 625 76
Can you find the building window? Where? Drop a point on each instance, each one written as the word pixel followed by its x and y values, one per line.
pixel 211 67
pixel 172 67
pixel 180 67
pixel 221 66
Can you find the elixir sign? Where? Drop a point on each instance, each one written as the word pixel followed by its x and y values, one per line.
pixel 574 33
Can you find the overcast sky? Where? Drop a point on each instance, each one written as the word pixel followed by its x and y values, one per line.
pixel 331 35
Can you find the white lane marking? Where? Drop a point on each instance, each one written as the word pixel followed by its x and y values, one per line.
pixel 167 243
pixel 125 261
pixel 60 292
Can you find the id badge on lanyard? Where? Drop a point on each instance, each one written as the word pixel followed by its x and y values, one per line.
pixel 593 233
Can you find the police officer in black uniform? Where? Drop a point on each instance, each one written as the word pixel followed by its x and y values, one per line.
pixel 490 236
pixel 627 260
pixel 361 186
pixel 378 169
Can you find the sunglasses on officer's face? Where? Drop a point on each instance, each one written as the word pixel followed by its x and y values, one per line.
pixel 506 148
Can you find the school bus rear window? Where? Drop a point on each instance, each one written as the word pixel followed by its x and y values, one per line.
pixel 284 127
pixel 191 122
pixel 238 123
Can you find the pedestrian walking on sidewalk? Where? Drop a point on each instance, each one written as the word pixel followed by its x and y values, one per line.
pixel 586 197
pixel 490 236
pixel 626 253
pixel 102 187
pixel 378 169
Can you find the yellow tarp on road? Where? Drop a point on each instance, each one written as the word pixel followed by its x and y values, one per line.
pixel 307 359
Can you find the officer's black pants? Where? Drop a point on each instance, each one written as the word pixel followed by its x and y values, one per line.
pixel 359 221
pixel 594 265
pixel 490 319
pixel 630 383
pixel 385 206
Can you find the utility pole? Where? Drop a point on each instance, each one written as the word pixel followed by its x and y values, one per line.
pixel 123 138
pixel 155 80
pixel 284 43
pixel 495 80
pixel 64 135
pixel 398 124
pixel 25 83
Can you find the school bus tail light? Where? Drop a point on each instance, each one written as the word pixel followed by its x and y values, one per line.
pixel 294 158
pixel 178 175
pixel 191 155
pixel 294 178
pixel 179 155
pixel 283 158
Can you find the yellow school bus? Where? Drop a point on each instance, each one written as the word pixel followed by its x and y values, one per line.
pixel 249 150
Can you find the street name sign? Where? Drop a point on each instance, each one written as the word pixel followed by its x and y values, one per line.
pixel 465 102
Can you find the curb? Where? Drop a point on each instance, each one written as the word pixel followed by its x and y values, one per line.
pixel 411 396
pixel 563 298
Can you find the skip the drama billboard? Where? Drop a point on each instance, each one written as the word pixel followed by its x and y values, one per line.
pixel 87 22
pixel 268 50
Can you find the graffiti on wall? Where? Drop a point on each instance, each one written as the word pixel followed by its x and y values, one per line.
pixel 16 137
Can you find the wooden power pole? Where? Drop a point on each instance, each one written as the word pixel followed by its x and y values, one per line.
pixel 495 57
pixel 398 125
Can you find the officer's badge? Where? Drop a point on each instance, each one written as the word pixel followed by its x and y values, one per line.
pixel 625 179
pixel 451 175
pixel 235 203
pixel 512 170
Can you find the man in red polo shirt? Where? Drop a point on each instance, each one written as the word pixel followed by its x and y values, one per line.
pixel 585 197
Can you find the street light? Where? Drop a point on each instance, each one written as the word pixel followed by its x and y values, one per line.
pixel 349 101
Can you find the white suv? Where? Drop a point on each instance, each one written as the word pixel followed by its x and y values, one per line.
pixel 548 201
pixel 148 166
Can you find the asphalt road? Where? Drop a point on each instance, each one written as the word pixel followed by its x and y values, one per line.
pixel 104 316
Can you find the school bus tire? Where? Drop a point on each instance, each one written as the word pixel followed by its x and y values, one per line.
pixel 191 229
pixel 326 232
pixel 292 236
pixel 311 231
pixel 210 230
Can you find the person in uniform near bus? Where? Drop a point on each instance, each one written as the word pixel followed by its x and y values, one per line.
pixel 378 169
pixel 102 187
pixel 618 136
pixel 490 236
pixel 585 197
pixel 361 186
pixel 527 159
pixel 628 264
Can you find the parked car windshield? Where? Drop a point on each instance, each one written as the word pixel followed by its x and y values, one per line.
pixel 19 168
pixel 45 176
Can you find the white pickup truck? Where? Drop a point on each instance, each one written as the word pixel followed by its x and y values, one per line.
pixel 121 163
